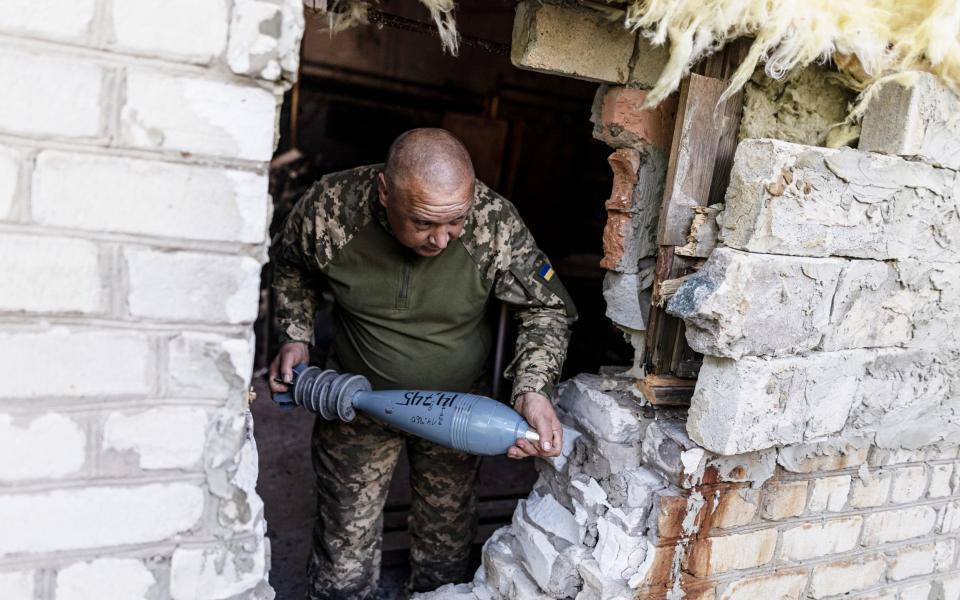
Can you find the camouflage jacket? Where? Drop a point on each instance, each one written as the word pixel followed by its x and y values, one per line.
pixel 409 321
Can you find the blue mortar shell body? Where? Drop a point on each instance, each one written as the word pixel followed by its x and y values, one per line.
pixel 465 422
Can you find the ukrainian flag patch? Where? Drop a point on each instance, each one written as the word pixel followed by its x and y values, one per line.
pixel 545 272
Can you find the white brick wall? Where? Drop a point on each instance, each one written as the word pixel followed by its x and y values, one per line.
pixel 845 576
pixel 48 446
pixel 17 585
pixel 197 574
pixel 9 179
pixel 46 274
pixel 897 525
pixel 813 540
pixel 73 363
pixel 133 199
pixel 192 30
pixel 52 19
pixel 148 197
pixel 197 116
pixel 49 96
pixel 93 517
pixel 104 578
pixel 148 434
pixel 188 286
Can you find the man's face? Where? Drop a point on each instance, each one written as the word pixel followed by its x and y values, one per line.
pixel 425 221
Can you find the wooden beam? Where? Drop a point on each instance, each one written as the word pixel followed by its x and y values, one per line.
pixel 666 390
pixel 698 172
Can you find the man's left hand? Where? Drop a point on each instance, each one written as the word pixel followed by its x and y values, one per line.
pixel 538 411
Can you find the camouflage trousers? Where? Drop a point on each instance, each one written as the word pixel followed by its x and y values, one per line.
pixel 354 463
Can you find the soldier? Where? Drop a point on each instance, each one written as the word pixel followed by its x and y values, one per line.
pixel 412 252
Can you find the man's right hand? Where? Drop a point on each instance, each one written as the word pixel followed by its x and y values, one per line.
pixel 291 354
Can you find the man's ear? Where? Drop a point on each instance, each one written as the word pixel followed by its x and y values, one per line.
pixel 382 189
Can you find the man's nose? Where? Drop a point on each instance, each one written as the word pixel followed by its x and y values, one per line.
pixel 441 238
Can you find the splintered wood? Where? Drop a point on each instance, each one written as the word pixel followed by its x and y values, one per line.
pixel 703 145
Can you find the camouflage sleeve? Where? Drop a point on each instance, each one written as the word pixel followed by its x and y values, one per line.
pixel 526 282
pixel 296 271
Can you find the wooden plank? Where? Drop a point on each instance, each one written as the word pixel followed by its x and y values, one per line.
pixel 666 390
pixel 698 172
pixel 692 157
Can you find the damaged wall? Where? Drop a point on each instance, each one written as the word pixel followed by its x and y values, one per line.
pixel 831 309
pixel 134 141
pixel 820 456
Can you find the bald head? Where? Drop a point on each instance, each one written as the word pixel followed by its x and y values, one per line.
pixel 428 159
pixel 427 189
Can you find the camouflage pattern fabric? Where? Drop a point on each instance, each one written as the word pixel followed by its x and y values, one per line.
pixel 338 206
pixel 354 463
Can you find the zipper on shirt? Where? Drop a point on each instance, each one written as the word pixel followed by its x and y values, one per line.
pixel 403 297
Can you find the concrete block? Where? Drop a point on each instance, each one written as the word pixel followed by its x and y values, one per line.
pixel 800 200
pixel 627 299
pixel 911 561
pixel 560 40
pixel 783 585
pixel 503 572
pixel 751 404
pixel 597 586
pixel 607 415
pixel 147 434
pixel 550 562
pixel 265 39
pixel 49 96
pixel 190 286
pixel 752 467
pixel 940 478
pixel 219 572
pixel 898 525
pixel 914 119
pixel 618 553
pixel 620 120
pixel 885 457
pixel 909 484
pixel 48 274
pixel 208 366
pixel 822 456
pixel 80 366
pixel 784 499
pixel 665 448
pixel 9 181
pixel 715 555
pixel 742 303
pixel 93 517
pixel 42 446
pixel 187 30
pixel 17 585
pixel 172 112
pixel 49 19
pixel 829 494
pixel 551 517
pixel 149 197
pixel 843 577
pixel 104 578
pixel 813 540
pixel 870 492
pixel 902 396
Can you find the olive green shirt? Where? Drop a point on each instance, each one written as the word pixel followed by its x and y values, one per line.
pixel 407 321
